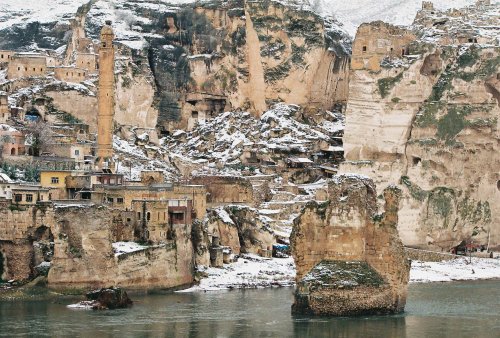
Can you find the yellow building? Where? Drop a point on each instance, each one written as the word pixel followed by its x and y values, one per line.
pixel 55 179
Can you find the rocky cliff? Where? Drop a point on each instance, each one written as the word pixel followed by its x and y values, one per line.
pixel 425 115
pixel 179 64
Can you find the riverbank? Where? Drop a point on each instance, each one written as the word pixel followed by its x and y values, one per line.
pixel 251 271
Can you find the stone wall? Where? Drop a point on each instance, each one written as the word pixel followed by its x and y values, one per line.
pixel 428 256
pixel 226 189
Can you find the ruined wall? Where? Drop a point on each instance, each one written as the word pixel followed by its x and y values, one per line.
pixel 430 124
pixel 21 66
pixel 17 231
pixel 346 230
pixel 226 189
pixel 80 105
pixel 70 74
pixel 376 41
pixel 84 258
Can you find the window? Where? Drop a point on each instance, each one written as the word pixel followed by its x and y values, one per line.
pixel 2 56
pixel 119 200
pixel 54 180
pixel 138 215
pixel 364 48
pixel 194 114
pixel 29 198
pixel 34 69
pixel 148 216
pixel 41 197
pixel 77 152
pixel 110 199
pixel 18 197
pixel 18 68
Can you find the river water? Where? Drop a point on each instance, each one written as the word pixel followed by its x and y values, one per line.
pixel 458 309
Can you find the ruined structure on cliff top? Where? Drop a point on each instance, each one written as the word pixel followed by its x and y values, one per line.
pixel 349 258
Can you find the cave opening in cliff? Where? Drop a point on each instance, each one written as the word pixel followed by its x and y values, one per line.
pixel 416 160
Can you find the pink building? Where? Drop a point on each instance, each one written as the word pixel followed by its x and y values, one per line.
pixel 11 141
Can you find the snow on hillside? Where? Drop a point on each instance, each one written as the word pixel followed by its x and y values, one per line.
pixel 399 12
pixel 224 137
pixel 15 12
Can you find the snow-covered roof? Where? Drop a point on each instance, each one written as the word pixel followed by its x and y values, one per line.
pixel 4 178
pixel 300 160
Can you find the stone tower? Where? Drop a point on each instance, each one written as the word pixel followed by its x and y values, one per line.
pixel 106 95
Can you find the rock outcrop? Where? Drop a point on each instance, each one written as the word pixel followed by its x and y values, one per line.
pixel 84 255
pixel 109 298
pixel 349 258
pixel 424 115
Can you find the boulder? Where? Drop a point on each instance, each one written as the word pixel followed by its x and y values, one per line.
pixel 108 298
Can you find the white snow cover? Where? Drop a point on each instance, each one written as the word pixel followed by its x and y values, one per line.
pixel 14 12
pixel 398 12
pixel 252 271
pixel 457 269
pixel 121 248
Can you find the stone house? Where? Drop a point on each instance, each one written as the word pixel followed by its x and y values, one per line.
pixel 11 141
pixel 5 56
pixel 157 220
pixel 86 61
pixel 70 74
pixel 376 41
pixel 30 195
pixel 56 180
pixel 26 65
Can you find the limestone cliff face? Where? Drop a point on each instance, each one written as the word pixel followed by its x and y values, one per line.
pixel 430 123
pixel 349 258
pixel 178 66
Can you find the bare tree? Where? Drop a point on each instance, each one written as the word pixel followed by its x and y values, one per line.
pixel 38 136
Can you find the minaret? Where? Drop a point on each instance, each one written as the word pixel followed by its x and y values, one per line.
pixel 106 96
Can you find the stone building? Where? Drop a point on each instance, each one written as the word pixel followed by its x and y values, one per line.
pixel 156 220
pixel 70 74
pixel 86 61
pixel 106 95
pixel 11 141
pixel 376 41
pixel 4 107
pixel 5 55
pixel 26 65
pixel 226 189
pixel 349 258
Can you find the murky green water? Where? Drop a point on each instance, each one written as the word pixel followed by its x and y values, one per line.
pixel 461 309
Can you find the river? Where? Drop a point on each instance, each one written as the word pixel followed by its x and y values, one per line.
pixel 457 309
